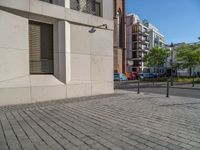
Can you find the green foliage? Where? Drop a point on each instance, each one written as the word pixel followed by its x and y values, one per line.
pixel 186 80
pixel 159 79
pixel 156 57
pixel 188 56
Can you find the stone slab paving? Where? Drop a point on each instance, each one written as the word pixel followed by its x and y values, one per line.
pixel 122 121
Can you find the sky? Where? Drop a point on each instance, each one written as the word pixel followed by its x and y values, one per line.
pixel 177 20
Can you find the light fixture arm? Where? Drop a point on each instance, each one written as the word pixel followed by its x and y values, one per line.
pixel 93 29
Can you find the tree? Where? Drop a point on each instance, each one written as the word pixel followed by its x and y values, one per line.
pixel 157 57
pixel 199 38
pixel 188 56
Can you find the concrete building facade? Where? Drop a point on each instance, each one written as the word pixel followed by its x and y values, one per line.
pixel 55 49
pixel 119 36
pixel 155 37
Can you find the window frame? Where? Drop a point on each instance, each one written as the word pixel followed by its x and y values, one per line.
pixel 47 1
pixel 99 4
pixel 41 23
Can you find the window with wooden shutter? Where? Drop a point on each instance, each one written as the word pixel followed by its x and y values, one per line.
pixel 41 48
pixel 98 9
pixel 48 1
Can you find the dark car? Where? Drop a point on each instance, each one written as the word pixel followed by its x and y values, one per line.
pixel 153 75
pixel 116 77
pixel 120 77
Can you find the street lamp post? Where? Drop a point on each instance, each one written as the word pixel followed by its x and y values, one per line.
pixel 138 85
pixel 167 95
pixel 171 63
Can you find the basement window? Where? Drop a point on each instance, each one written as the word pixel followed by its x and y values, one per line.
pixel 48 1
pixel 41 48
pixel 98 9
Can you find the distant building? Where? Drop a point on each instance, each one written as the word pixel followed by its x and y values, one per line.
pixel 155 37
pixel 173 60
pixel 141 36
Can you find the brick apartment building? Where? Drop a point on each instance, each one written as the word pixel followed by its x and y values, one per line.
pixel 141 37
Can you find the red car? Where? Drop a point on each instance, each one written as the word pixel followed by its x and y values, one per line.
pixel 134 75
pixel 131 75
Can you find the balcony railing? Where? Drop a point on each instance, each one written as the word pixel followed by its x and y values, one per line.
pixel 86 6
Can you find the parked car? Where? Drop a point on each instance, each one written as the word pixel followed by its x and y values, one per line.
pixel 140 75
pixel 153 75
pixel 162 75
pixel 129 75
pixel 198 74
pixel 116 77
pixel 134 75
pixel 145 75
pixel 148 75
pixel 122 77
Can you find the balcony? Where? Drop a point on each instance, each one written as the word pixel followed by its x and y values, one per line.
pixel 145 41
pixel 145 51
pixel 137 59
pixel 134 49
pixel 140 55
pixel 87 6
pixel 140 38
pixel 145 33
pixel 156 40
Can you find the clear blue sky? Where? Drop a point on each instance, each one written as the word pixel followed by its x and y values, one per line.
pixel 178 20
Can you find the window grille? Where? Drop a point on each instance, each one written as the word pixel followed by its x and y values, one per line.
pixel 87 6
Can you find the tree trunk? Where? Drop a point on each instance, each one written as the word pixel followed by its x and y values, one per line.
pixel 154 74
pixel 190 71
pixel 158 70
pixel 193 78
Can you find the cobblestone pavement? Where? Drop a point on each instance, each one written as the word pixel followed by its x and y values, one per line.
pixel 113 122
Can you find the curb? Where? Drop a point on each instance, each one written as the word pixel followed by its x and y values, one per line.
pixel 156 86
pixel 191 88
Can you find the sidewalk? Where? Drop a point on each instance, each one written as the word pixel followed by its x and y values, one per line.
pixel 120 121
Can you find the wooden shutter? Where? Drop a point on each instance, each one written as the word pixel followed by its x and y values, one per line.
pixel 98 9
pixel 41 48
pixel 48 1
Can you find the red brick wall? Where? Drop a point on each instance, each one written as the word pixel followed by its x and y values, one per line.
pixel 119 51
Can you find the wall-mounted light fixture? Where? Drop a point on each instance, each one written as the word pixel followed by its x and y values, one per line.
pixel 93 29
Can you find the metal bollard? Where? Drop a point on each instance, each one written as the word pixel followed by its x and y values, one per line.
pixel 138 85
pixel 193 82
pixel 172 82
pixel 167 88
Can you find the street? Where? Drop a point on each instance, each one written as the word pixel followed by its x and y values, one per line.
pixel 185 90
pixel 193 93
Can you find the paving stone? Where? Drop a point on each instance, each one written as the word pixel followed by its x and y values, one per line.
pixel 121 121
